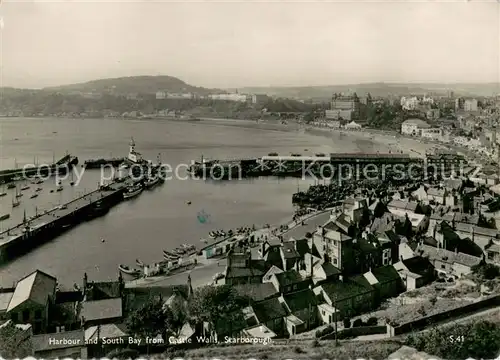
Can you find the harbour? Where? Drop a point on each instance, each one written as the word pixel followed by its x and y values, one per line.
pixel 127 228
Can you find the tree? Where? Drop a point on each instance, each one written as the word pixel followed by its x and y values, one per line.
pixel 13 345
pixel 220 306
pixel 151 319
pixel 179 309
pixel 480 340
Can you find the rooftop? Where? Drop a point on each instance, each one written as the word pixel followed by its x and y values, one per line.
pixel 101 309
pixel 37 287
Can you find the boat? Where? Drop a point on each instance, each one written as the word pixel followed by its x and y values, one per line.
pixel 170 258
pixel 212 234
pixel 38 189
pixel 39 181
pixel 152 182
pixel 59 188
pixel 139 263
pixel 34 196
pixel 25 187
pixel 15 202
pixel 16 178
pixel 2 194
pixel 4 217
pixel 97 210
pixel 132 192
pixel 18 194
pixel 126 270
pixel 170 254
pixel 11 186
pixel 123 166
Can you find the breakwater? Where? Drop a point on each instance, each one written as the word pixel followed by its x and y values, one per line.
pixel 61 166
pixel 98 163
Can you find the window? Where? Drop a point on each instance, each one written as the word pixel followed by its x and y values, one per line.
pixel 334 261
pixel 323 312
pixel 26 315
pixel 443 267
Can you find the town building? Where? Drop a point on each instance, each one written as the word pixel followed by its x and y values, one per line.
pixel 259 98
pixel 470 105
pixel 229 97
pixel 344 107
pixel 413 127
pixel 160 95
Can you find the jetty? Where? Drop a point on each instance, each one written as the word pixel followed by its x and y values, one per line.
pixel 98 163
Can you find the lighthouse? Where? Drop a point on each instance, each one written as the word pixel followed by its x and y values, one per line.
pixel 133 155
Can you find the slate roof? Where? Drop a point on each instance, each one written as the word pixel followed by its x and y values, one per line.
pixel 35 287
pixel 109 331
pixel 449 256
pixel 417 265
pixel 330 270
pixel 269 310
pixel 101 309
pixel 289 277
pixel 300 300
pixel 302 247
pixel 256 292
pixel 420 123
pixel 257 268
pixel 289 250
pixel 386 274
pixel 341 290
pixel 103 290
pixel 5 300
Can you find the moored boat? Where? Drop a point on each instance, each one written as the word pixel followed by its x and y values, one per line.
pixel 4 217
pixel 139 263
pixel 132 191
pixel 15 202
pixel 34 196
pixel 38 189
pixel 212 234
pixel 170 254
pixel 152 182
pixel 11 186
pixel 59 188
pixel 25 187
pixel 2 194
pixel 126 270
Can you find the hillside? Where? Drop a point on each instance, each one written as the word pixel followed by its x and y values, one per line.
pixel 377 89
pixel 136 84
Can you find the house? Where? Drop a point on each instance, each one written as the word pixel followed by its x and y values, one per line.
pixel 68 344
pixel 242 269
pixel 479 235
pixel 415 272
pixel 302 307
pixel 99 312
pixel 419 222
pixel 31 300
pixel 257 292
pixel 271 313
pixel 449 262
pixel 437 196
pixel 346 297
pixel 402 205
pixel 334 246
pixel 259 332
pixel 492 251
pixel 385 280
pixel 114 334
pixel 289 281
pixel 325 272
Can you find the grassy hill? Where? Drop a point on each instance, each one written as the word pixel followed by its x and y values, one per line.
pixel 376 350
pixel 377 89
pixel 136 84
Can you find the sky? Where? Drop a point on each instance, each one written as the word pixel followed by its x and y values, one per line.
pixel 234 44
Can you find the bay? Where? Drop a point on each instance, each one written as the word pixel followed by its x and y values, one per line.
pixel 161 218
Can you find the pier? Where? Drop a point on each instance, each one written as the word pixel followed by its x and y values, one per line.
pixel 98 163
pixel 46 226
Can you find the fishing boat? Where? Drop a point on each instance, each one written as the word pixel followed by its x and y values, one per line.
pixel 212 234
pixel 15 202
pixel 18 193
pixel 39 181
pixel 151 182
pixel 170 254
pixel 126 270
pixel 4 217
pixel 139 263
pixel 34 196
pixel 25 187
pixel 59 188
pixel 11 186
pixel 38 189
pixel 2 194
pixel 132 191
pixel 170 258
